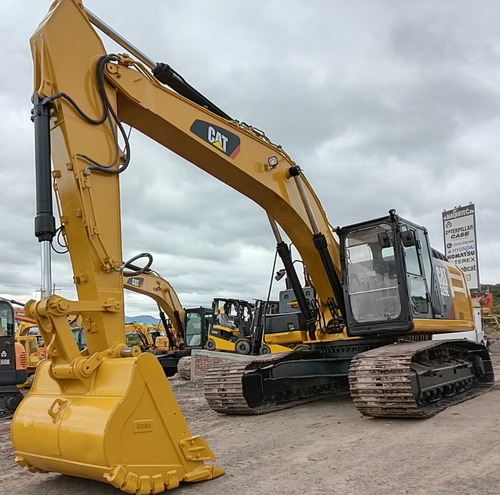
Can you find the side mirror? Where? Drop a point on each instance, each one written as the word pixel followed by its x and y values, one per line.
pixel 385 239
pixel 408 238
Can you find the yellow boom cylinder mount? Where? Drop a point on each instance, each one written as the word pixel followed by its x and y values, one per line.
pixel 107 413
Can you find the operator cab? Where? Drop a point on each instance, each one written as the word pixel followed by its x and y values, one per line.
pixel 197 323
pixel 387 273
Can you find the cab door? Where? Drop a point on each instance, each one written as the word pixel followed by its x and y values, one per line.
pixel 374 279
pixel 418 270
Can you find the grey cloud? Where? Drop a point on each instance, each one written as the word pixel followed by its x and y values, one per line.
pixel 383 104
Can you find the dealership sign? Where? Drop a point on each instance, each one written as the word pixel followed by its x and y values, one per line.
pixel 459 228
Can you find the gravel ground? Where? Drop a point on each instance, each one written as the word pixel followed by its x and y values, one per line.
pixel 325 447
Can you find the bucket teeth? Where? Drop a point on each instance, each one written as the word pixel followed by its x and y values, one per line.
pixel 130 482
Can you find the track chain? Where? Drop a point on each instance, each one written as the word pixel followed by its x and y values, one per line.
pixel 223 386
pixel 380 383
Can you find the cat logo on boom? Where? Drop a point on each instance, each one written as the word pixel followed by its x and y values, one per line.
pixel 217 139
pixel 221 138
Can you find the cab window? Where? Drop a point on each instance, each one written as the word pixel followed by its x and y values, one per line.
pixel 6 320
pixel 193 329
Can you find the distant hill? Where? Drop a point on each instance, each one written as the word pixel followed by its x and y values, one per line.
pixel 147 319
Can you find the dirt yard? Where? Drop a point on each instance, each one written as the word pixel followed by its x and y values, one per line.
pixel 325 447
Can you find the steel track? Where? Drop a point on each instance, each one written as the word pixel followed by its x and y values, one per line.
pixel 380 382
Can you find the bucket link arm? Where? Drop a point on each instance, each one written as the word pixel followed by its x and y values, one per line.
pixel 66 360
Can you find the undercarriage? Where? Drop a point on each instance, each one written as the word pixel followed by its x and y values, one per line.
pixel 405 379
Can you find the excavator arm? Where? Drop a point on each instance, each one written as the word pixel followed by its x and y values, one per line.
pixel 162 292
pixel 108 414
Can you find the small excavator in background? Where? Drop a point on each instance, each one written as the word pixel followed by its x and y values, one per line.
pixel 379 291
pixel 178 323
pixel 227 326
pixel 231 325
pixel 140 335
pixel 13 365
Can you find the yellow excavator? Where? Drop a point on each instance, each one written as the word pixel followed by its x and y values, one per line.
pixel 140 335
pixel 185 329
pixel 378 289
pixel 172 314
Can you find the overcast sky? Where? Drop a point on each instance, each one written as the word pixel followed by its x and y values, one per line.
pixel 384 104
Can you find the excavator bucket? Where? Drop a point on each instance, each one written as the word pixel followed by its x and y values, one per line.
pixel 124 428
